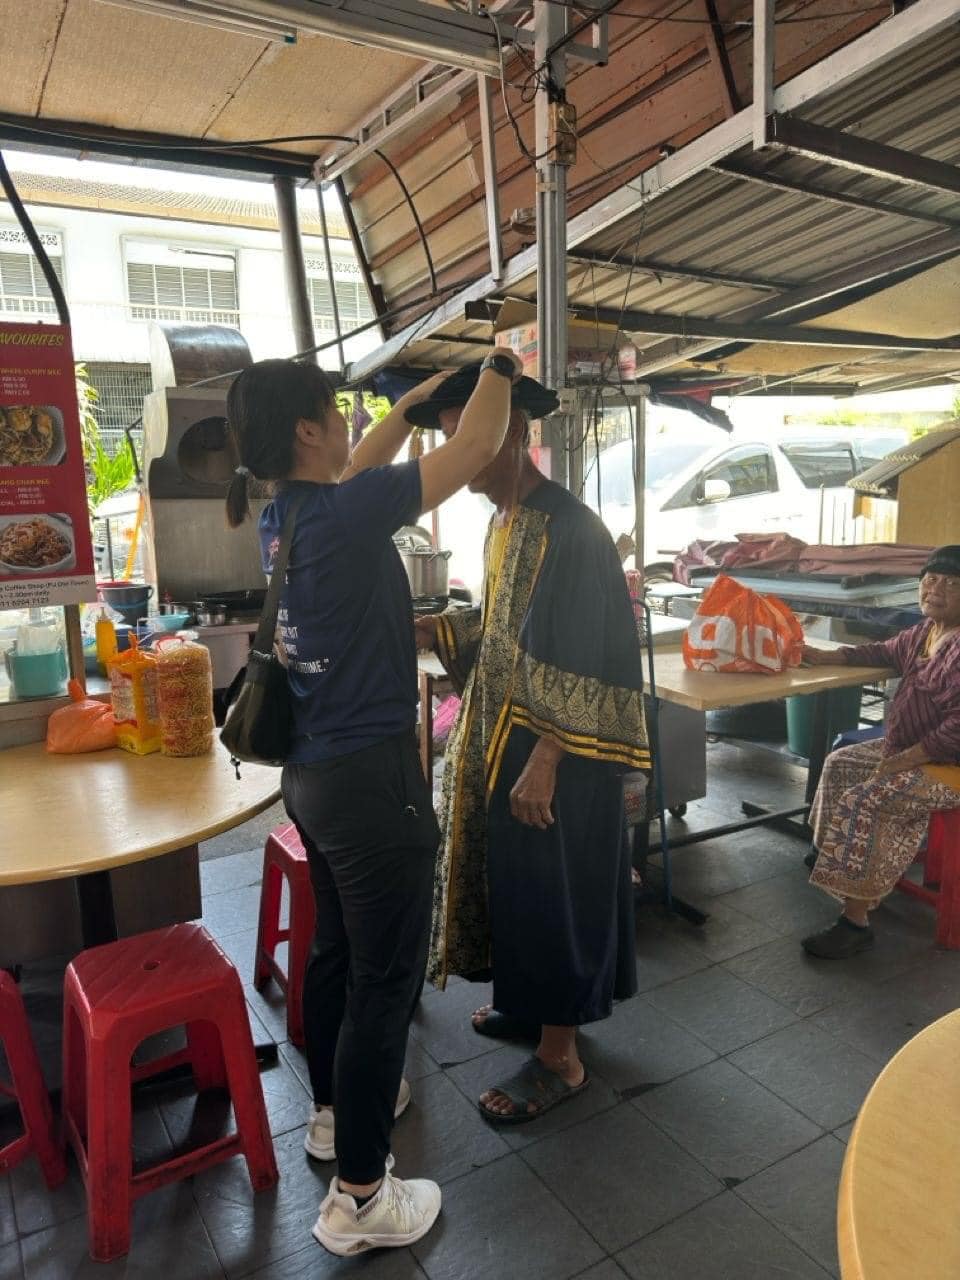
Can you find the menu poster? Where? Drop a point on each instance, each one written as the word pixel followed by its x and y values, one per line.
pixel 46 552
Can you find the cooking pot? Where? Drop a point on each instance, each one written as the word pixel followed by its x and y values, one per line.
pixel 428 571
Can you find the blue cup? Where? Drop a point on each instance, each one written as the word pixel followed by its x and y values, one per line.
pixel 37 675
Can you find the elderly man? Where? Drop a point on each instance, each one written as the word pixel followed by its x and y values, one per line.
pixel 533 882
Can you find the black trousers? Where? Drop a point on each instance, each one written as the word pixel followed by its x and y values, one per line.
pixel 368 826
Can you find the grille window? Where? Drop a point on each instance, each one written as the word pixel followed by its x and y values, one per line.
pixel 23 289
pixel 200 294
pixel 353 304
pixel 120 390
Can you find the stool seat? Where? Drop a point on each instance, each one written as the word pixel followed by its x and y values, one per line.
pixel 115 997
pixel 27 1088
pixel 285 859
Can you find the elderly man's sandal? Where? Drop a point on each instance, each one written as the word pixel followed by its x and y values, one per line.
pixel 533 1083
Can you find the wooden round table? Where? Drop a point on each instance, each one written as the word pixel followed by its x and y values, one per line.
pixel 899 1205
pixel 111 808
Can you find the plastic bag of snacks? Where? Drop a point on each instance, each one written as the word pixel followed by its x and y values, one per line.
pixel 735 629
pixel 185 691
pixel 86 725
pixel 133 692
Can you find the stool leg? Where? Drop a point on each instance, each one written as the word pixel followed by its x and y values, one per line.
pixel 109 1150
pixel 948 902
pixel 206 1056
pixel 302 923
pixel 74 1096
pixel 32 1096
pixel 246 1092
pixel 933 857
pixel 268 926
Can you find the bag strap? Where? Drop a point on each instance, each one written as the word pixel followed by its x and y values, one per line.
pixel 267 626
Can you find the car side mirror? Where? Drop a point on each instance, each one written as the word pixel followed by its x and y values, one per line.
pixel 716 491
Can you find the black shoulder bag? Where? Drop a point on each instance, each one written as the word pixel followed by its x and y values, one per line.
pixel 259 717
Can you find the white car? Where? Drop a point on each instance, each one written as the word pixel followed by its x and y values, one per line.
pixel 707 485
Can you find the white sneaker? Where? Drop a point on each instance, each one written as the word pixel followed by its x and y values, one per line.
pixel 319 1141
pixel 400 1213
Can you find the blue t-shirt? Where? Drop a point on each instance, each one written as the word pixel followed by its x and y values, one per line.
pixel 346 616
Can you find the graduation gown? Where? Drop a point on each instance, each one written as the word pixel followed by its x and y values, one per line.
pixel 555 652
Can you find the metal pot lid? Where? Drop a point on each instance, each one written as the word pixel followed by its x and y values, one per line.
pixel 412 536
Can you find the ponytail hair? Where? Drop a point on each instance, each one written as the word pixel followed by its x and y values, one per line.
pixel 264 404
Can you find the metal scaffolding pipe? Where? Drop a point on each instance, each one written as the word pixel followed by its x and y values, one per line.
pixel 294 267
pixel 550 22
pixel 331 282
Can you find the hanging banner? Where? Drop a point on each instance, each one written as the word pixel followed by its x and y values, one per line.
pixel 46 552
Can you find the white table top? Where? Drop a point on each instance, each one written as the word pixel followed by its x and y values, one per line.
pixel 897 1208
pixel 712 690
pixel 67 815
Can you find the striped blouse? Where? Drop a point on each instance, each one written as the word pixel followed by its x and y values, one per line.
pixel 926 707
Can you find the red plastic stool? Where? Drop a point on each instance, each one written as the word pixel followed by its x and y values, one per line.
pixel 941 868
pixel 285 857
pixel 116 996
pixel 27 1088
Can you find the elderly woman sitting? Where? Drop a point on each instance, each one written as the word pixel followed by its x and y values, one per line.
pixel 875 798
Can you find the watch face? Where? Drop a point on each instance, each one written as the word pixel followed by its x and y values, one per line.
pixel 502 364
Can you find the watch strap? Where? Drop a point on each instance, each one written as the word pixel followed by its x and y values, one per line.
pixel 501 364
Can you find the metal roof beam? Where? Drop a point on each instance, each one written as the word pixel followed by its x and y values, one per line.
pixel 440 34
pixel 850 151
pixel 699 275
pixel 746 173
pixel 827 294
pixel 762 331
pixel 428 91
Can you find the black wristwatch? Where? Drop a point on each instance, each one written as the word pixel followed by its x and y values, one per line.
pixel 499 364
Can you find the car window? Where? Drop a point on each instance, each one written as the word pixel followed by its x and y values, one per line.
pixel 874 449
pixel 748 470
pixel 831 465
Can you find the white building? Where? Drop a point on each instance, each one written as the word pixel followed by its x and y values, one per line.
pixel 129 250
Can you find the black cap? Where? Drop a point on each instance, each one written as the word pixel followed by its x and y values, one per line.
pixel 944 560
pixel 531 396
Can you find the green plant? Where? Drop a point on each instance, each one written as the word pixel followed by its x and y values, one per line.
pixel 87 397
pixel 107 474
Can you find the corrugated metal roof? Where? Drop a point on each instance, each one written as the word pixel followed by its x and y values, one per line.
pixel 720 223
pixel 881 478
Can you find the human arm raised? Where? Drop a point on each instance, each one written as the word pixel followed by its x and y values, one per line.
pixel 383 442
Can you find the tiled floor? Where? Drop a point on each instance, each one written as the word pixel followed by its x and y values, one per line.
pixel 709 1144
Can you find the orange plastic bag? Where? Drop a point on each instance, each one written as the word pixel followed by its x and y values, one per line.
pixel 86 725
pixel 735 629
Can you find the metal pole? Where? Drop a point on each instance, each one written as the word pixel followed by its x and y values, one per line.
pixel 764 51
pixel 295 270
pixel 550 23
pixel 331 282
pixel 639 415
pixel 490 187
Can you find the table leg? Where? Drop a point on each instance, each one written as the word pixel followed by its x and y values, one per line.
pixel 426 725
pixel 98 922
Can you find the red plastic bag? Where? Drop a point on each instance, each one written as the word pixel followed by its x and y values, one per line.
pixel 735 629
pixel 86 725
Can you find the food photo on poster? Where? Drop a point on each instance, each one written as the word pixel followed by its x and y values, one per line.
pixel 46 552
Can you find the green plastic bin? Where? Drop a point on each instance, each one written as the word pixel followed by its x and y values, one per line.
pixel 845 714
